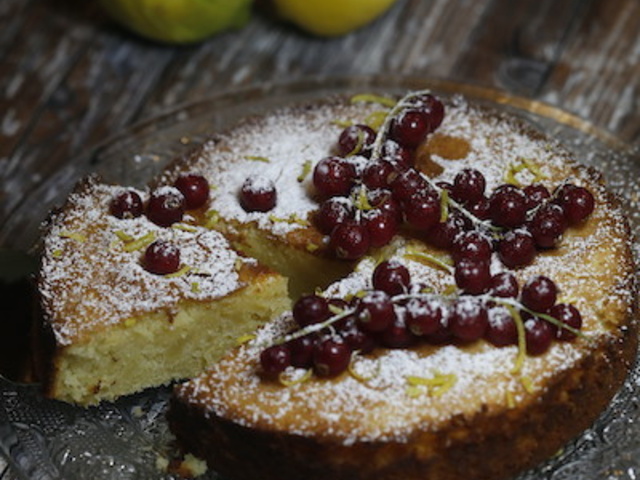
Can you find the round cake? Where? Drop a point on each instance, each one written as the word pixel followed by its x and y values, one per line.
pixel 488 318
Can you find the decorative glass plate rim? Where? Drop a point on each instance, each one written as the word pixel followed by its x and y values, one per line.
pixel 310 83
pixel 273 95
pixel 298 90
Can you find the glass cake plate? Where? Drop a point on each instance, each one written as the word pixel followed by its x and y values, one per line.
pixel 129 439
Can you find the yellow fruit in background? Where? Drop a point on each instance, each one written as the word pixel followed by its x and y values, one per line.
pixel 330 17
pixel 179 21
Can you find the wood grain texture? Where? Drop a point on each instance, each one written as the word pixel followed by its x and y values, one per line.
pixel 70 78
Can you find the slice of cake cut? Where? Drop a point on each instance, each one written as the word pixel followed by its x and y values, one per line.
pixel 110 327
pixel 471 394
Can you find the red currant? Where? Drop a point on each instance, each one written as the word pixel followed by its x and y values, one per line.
pixel 468 186
pixel 161 258
pixel 258 194
pixel 350 240
pixel 334 176
pixel 423 316
pixel 356 140
pixel 538 335
pixel 310 309
pixel 539 294
pixel 275 360
pixel 517 248
pixel 472 275
pixel 568 315
pixel 376 312
pixel 469 319
pixel 392 277
pixel 501 329
pixel 332 212
pixel 331 357
pixel 126 204
pixel 410 127
pixel 507 206
pixel 166 206
pixel 195 189
pixel 547 225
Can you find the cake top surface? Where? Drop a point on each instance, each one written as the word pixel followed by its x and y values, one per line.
pixel 286 145
pixel 389 394
pixel 92 272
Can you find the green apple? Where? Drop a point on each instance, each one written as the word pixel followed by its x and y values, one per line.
pixel 179 21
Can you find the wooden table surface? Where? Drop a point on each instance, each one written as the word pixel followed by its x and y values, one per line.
pixel 70 78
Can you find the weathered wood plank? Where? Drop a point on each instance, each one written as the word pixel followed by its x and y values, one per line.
pixel 598 73
pixel 516 45
pixel 69 77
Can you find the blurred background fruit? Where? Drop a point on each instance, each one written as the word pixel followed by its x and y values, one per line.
pixel 179 21
pixel 329 17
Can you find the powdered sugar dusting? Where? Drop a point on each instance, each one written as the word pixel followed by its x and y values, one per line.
pixel 90 280
pixel 283 148
pixel 591 268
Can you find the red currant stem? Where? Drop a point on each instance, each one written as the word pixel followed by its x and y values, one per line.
pixel 516 304
pixel 408 296
pixel 314 327
pixel 452 203
pixel 549 200
pixel 381 135
pixel 361 201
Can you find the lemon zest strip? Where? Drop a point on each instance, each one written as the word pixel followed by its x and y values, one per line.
pixel 306 170
pixel 442 264
pixel 257 158
pixel 362 378
pixel 343 123
pixel 184 227
pixel 181 272
pixel 125 237
pixel 437 386
pixel 372 98
pixel 527 383
pixel 375 119
pixel 241 340
pixel 140 243
pixel 522 342
pixel 79 237
pixel 290 383
pixel 213 217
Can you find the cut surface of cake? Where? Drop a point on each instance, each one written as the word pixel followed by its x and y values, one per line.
pixel 281 148
pixel 459 398
pixel 111 327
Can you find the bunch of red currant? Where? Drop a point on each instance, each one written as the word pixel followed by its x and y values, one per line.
pixel 513 222
pixel 366 205
pixel 398 313
pixel 166 206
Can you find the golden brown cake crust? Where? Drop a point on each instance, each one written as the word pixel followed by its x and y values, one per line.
pixel 242 440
